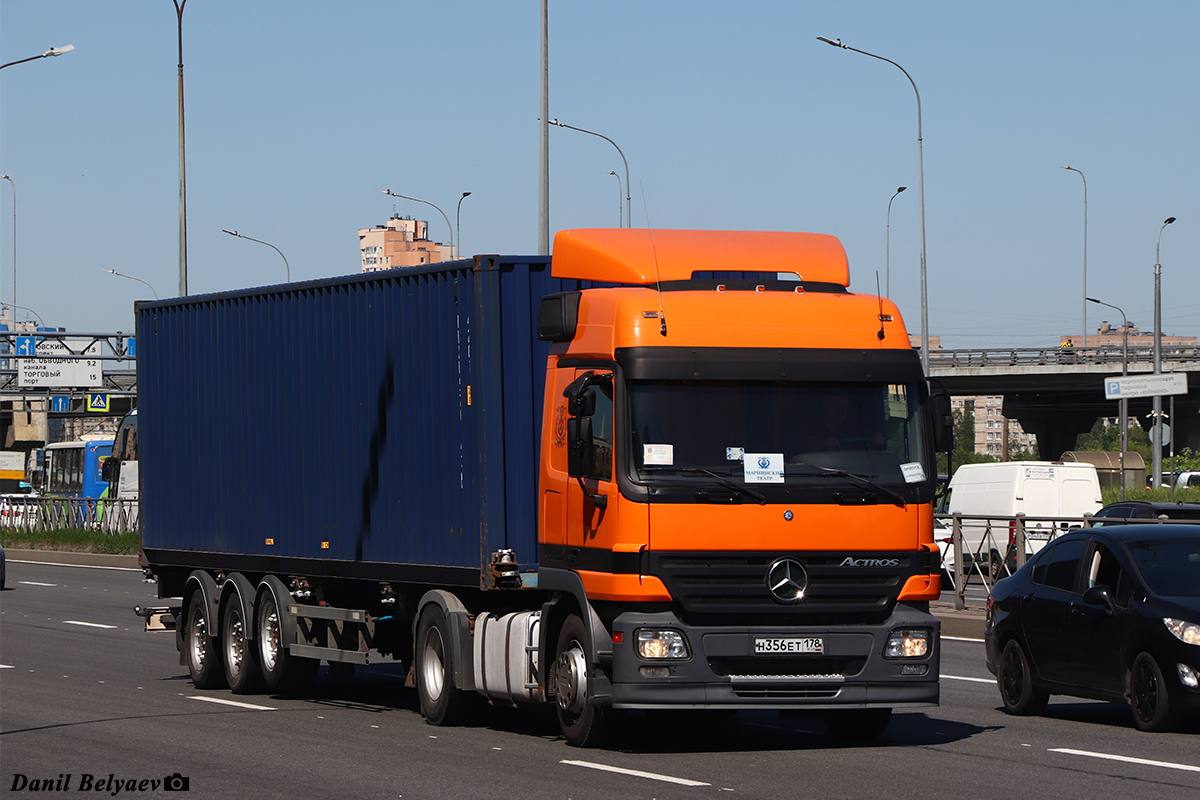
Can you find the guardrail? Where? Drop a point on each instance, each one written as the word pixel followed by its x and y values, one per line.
pixel 1005 543
pixel 46 514
pixel 1053 356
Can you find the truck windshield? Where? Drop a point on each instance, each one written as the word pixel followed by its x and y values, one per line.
pixel 767 432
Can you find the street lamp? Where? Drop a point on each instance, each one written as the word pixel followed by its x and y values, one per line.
pixel 268 244
pixel 32 313
pixel 620 198
pixel 1123 402
pixel 920 191
pixel 628 201
pixel 14 194
pixel 390 193
pixel 132 278
pixel 1085 297
pixel 458 220
pixel 1157 405
pixel 179 4
pixel 51 53
pixel 887 286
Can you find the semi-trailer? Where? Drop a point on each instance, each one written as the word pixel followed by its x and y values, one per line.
pixel 663 469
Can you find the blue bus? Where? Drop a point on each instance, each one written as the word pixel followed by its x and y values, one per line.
pixel 73 469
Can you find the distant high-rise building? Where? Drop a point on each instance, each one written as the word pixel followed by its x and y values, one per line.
pixel 402 242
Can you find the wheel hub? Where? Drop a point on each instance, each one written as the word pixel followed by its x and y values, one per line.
pixel 571 680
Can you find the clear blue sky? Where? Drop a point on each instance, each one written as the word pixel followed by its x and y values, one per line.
pixel 731 116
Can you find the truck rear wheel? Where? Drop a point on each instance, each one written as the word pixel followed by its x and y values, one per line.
pixel 442 703
pixel 281 671
pixel 237 644
pixel 582 724
pixel 203 655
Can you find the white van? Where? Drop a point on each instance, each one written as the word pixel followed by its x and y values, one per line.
pixel 1037 489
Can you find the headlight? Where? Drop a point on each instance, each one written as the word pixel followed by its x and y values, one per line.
pixel 655 644
pixel 907 644
pixel 1188 632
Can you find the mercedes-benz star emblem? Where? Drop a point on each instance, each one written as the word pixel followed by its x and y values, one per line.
pixel 788 580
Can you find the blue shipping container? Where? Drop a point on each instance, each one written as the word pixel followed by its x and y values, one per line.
pixel 382 426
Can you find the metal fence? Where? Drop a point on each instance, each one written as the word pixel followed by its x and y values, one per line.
pixel 45 514
pixel 1004 544
pixel 1047 356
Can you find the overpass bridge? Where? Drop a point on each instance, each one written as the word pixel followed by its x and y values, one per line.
pixel 1057 393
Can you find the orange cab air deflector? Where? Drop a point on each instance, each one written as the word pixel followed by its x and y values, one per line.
pixel 641 256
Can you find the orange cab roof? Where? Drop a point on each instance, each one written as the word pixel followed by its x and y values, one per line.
pixel 641 256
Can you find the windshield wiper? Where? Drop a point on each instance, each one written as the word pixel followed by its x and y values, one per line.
pixel 757 497
pixel 862 480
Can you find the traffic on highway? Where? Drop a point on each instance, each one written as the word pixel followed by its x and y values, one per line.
pixel 85 702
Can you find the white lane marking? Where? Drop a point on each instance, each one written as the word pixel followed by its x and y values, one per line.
pixel 961 639
pixel 35 583
pixel 6 666
pixel 972 680
pixel 636 773
pixel 60 564
pixel 234 703
pixel 87 624
pixel 1127 759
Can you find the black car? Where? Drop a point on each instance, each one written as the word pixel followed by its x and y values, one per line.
pixel 1127 510
pixel 1112 614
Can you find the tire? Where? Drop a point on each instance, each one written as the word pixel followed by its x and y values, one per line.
pixel 996 566
pixel 442 703
pixel 202 654
pixel 1015 681
pixel 1148 696
pixel 582 723
pixel 282 672
pixel 240 657
pixel 858 724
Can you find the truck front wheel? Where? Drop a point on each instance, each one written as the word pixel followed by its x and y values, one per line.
pixel 442 703
pixel 582 724
pixel 203 655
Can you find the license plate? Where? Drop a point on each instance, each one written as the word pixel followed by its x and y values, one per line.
pixel 772 645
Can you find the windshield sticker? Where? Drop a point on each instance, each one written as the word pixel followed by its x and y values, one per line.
pixel 913 472
pixel 735 453
pixel 763 467
pixel 658 455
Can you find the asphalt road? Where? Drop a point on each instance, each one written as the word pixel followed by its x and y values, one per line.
pixel 85 693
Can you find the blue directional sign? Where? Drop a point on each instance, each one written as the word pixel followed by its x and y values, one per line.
pixel 97 401
pixel 60 404
pixel 132 346
pixel 26 345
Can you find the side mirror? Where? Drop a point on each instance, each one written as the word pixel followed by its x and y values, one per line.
pixel 108 469
pixel 580 447
pixel 943 420
pixel 1100 596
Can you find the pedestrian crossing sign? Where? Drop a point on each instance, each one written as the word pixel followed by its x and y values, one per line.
pixel 97 402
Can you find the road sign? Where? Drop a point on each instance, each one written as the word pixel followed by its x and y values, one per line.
pixel 60 404
pixel 59 373
pixel 1166 434
pixel 1120 387
pixel 25 345
pixel 66 348
pixel 98 402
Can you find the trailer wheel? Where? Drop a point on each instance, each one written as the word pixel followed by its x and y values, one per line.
pixel 203 655
pixel 442 703
pixel 583 724
pixel 281 671
pixel 237 643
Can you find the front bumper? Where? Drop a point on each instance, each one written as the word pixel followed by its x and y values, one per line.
pixel 723 670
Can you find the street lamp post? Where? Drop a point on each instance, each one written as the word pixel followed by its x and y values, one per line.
pixel 887 286
pixel 458 220
pixel 620 199
pixel 920 191
pixel 51 53
pixel 1157 404
pixel 628 200
pixel 1085 297
pixel 286 266
pixel 390 193
pixel 14 194
pixel 183 289
pixel 132 278
pixel 1123 403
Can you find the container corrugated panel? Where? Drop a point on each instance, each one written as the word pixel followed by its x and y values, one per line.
pixel 383 426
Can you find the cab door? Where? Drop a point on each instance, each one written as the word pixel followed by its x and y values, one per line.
pixel 591 498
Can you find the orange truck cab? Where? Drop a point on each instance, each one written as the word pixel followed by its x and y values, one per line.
pixel 737 475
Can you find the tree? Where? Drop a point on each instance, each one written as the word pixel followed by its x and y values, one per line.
pixel 964 442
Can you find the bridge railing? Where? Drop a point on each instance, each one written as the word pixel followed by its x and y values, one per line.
pixel 46 514
pixel 1051 356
